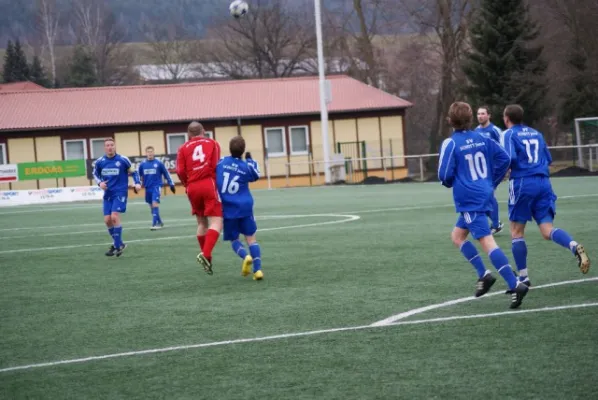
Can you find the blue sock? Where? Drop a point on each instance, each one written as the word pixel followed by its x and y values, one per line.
pixel 239 249
pixel 561 237
pixel 519 249
pixel 471 254
pixel 494 213
pixel 501 263
pixel 156 216
pixel 255 252
pixel 118 240
pixel 111 232
pixel 159 220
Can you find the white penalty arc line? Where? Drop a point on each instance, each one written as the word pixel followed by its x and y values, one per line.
pixel 347 218
pixel 397 317
pixel 290 335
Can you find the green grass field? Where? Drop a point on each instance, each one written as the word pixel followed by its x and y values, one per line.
pixel 336 261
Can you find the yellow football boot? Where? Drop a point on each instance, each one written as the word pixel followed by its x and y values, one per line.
pixel 247 265
pixel 258 275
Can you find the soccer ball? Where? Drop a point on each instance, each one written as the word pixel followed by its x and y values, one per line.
pixel 238 8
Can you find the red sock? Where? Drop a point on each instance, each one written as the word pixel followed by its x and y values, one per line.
pixel 201 239
pixel 211 240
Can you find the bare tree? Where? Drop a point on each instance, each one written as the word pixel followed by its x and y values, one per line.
pixel 96 27
pixel 48 16
pixel 273 40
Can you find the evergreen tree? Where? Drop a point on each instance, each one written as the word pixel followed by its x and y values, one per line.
pixel 37 73
pixel 81 70
pixel 503 66
pixel 9 63
pixel 21 68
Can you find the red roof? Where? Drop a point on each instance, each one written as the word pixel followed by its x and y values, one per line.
pixel 128 105
pixel 20 86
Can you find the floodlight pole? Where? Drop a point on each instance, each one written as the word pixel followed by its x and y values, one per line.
pixel 323 107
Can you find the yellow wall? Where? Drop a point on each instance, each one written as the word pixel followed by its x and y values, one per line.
pixel 22 150
pixel 369 132
pixel 154 139
pixel 302 167
pixel 316 137
pixel 392 128
pixel 127 143
pixel 254 145
pixel 345 130
pixel 223 136
pixel 49 149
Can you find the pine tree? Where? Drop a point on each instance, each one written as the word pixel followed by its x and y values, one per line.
pixel 21 68
pixel 9 63
pixel 503 66
pixel 37 73
pixel 82 70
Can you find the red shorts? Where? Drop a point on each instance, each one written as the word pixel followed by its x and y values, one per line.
pixel 204 198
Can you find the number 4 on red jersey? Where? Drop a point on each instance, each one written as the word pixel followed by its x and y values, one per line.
pixel 197 160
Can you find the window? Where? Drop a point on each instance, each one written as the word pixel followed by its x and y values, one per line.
pixel 174 141
pixel 299 140
pixel 97 148
pixel 210 134
pixel 75 149
pixel 2 154
pixel 275 142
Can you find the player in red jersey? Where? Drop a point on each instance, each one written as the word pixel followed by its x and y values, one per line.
pixel 196 167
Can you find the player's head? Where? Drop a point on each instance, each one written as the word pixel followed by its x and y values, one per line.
pixel 513 115
pixel 460 116
pixel 484 115
pixel 237 146
pixel 150 152
pixel 195 129
pixel 109 147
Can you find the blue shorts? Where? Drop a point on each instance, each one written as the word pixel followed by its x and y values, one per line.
pixel 235 226
pixel 476 223
pixel 531 197
pixel 152 195
pixel 115 203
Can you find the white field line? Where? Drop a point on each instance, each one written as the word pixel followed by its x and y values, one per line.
pixel 288 336
pixel 268 216
pixel 347 218
pixel 397 317
pixel 188 222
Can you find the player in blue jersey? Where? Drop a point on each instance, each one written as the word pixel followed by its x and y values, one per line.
pixel 233 176
pixel 530 191
pixel 473 166
pixel 151 171
pixel 490 131
pixel 111 172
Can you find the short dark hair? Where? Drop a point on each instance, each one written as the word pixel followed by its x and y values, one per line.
pixel 515 113
pixel 237 146
pixel 149 147
pixel 195 129
pixel 460 115
pixel 109 140
pixel 485 107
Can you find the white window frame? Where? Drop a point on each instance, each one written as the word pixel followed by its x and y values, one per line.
pixel 169 135
pixel 3 151
pixel 95 156
pixel 64 142
pixel 284 141
pixel 299 153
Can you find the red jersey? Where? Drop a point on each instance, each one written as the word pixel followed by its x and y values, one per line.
pixel 197 159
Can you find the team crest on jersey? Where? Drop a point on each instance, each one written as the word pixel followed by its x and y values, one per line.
pixel 155 165
pixel 118 163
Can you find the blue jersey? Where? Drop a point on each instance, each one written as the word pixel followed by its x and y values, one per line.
pixel 490 132
pixel 152 171
pixel 473 166
pixel 233 176
pixel 115 172
pixel 528 152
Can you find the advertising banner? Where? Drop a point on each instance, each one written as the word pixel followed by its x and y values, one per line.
pixel 9 173
pixel 51 169
pixel 51 195
pixel 169 161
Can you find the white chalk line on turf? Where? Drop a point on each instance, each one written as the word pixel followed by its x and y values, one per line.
pixel 397 317
pixel 290 335
pixel 347 218
pixel 269 216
